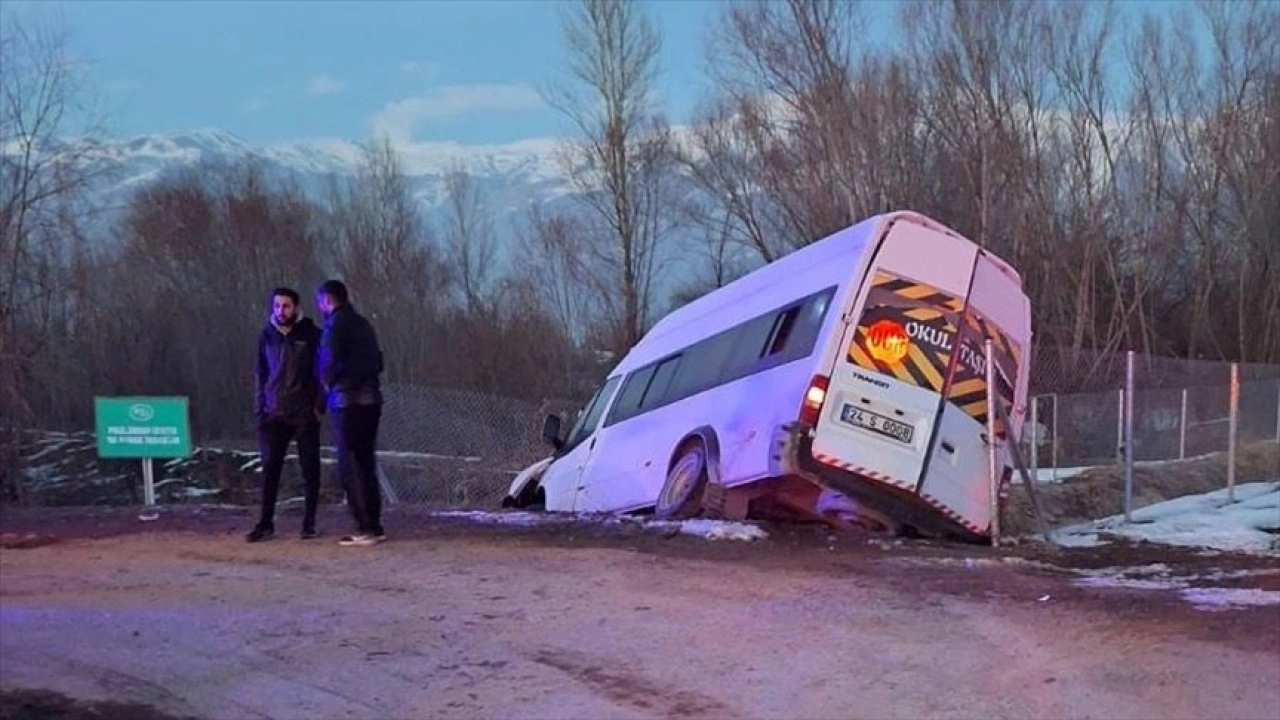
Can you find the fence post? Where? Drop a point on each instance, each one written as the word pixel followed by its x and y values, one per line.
pixel 1035 439
pixel 992 463
pixel 1120 425
pixel 1054 444
pixel 1182 431
pixel 1233 426
pixel 1127 414
pixel 1278 412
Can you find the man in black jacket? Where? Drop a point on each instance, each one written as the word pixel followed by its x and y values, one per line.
pixel 350 363
pixel 287 404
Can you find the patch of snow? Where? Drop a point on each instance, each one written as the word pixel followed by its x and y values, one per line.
pixel 1208 520
pixel 1050 476
pixel 51 445
pixel 1102 581
pixel 525 519
pixel 697 527
pixel 1158 576
pixel 1069 537
pixel 718 529
pixel 200 492
pixel 1219 599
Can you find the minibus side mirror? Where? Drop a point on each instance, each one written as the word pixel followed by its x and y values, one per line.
pixel 551 431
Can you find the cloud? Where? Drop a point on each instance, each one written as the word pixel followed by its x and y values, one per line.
pixel 413 67
pixel 257 103
pixel 323 84
pixel 398 119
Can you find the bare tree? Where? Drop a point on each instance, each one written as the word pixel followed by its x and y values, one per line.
pixel 381 249
pixel 550 250
pixel 623 164
pixel 44 98
pixel 470 241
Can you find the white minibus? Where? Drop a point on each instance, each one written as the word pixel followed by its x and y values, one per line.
pixel 845 381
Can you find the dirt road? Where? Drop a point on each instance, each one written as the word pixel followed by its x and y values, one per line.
pixel 459 622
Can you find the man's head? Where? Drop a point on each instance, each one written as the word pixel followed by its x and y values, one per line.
pixel 331 295
pixel 284 306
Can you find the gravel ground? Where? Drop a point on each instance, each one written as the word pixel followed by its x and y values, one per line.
pixel 452 619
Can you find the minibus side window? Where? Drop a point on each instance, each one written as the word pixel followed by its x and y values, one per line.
pixel 590 416
pixel 660 383
pixel 803 332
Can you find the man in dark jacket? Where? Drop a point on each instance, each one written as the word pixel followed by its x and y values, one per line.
pixel 287 404
pixel 350 363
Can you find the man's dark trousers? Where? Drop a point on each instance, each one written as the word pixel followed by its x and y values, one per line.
pixel 355 432
pixel 274 436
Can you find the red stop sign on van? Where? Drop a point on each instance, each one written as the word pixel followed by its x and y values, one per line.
pixel 887 341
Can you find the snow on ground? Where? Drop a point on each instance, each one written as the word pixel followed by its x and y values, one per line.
pixel 1159 576
pixel 1052 476
pixel 698 527
pixel 1217 599
pixel 1210 521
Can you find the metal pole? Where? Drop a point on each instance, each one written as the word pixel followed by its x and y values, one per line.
pixel 994 484
pixel 1054 445
pixel 1231 432
pixel 1035 439
pixel 148 491
pixel 1278 412
pixel 1182 432
pixel 148 483
pixel 1128 438
pixel 1120 425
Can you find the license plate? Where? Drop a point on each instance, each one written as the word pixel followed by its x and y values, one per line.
pixel 877 423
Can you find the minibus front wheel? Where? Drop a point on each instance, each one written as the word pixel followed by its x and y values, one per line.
pixel 681 495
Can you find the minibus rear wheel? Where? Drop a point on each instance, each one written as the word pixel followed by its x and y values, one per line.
pixel 681 495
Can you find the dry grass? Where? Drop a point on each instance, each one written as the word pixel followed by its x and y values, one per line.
pixel 1100 492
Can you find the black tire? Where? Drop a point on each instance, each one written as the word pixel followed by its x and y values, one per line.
pixel 681 495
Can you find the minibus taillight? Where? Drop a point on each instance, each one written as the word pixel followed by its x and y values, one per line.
pixel 814 396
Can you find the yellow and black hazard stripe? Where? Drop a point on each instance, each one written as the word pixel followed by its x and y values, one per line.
pixel 968 389
pixel 1005 348
pixel 883 282
pixel 931 315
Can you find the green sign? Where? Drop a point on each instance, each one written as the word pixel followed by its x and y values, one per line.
pixel 142 427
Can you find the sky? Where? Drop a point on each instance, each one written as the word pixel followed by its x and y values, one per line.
pixel 277 71
pixel 466 71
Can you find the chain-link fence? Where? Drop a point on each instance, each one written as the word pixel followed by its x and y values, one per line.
pixel 1074 440
pixel 1181 411
pixel 456 448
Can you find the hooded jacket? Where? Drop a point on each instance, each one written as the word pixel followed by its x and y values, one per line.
pixel 286 384
pixel 350 359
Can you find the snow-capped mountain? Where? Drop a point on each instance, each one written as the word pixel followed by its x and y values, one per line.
pixel 510 176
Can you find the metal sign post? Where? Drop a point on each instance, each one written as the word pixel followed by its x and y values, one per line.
pixel 1232 429
pixel 143 428
pixel 1127 415
pixel 1054 445
pixel 992 462
pixel 1035 439
pixel 1278 412
pixel 1182 433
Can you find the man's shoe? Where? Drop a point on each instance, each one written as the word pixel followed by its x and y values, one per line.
pixel 361 540
pixel 259 534
pixel 308 533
